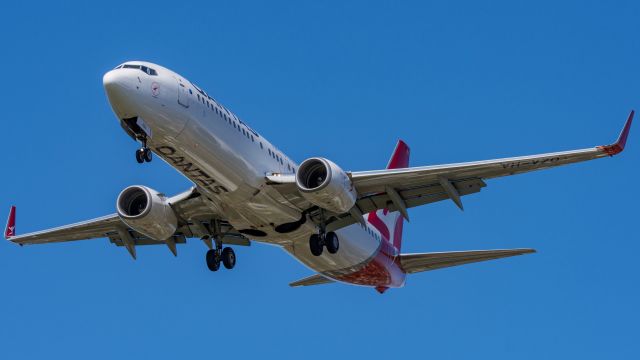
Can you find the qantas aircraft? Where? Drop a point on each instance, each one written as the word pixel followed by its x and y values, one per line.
pixel 245 189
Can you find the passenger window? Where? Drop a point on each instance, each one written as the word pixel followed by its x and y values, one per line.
pixel 261 147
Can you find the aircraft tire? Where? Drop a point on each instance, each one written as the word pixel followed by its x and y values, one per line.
pixel 332 242
pixel 139 156
pixel 147 154
pixel 228 258
pixel 213 260
pixel 315 245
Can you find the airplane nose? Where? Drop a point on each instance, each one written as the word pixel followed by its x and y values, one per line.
pixel 113 80
pixel 116 85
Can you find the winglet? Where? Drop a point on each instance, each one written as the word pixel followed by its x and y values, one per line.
pixel 618 146
pixel 10 230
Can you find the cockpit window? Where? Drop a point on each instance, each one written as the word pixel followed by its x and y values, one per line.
pixel 145 69
pixel 118 67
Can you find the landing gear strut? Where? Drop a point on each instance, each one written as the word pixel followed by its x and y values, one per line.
pixel 144 154
pixel 317 242
pixel 225 255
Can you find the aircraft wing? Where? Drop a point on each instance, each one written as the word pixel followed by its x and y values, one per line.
pixel 400 189
pixel 413 263
pixel 196 219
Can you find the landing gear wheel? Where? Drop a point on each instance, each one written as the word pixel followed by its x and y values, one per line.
pixel 228 258
pixel 147 154
pixel 315 245
pixel 213 260
pixel 332 242
pixel 140 156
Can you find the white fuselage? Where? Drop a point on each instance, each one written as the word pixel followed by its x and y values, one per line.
pixel 227 160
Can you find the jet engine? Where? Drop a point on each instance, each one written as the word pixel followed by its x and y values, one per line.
pixel 326 185
pixel 147 212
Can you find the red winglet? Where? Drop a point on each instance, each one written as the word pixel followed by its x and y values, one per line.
pixel 10 230
pixel 618 146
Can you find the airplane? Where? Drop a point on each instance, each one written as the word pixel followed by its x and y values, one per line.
pixel 245 189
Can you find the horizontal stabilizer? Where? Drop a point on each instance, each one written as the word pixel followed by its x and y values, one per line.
pixel 311 280
pixel 413 263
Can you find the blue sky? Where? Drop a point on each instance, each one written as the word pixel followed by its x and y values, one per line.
pixel 457 81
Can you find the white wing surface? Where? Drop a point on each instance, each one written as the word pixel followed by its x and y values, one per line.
pixel 399 189
pixel 195 219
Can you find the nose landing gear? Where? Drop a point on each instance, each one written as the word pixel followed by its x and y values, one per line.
pixel 317 242
pixel 144 155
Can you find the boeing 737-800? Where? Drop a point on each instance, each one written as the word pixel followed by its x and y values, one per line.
pixel 245 189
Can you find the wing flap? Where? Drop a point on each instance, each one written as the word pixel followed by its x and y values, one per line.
pixel 413 263
pixel 412 197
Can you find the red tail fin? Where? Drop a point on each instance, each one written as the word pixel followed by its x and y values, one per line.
pixel 10 230
pixel 390 223
pixel 400 157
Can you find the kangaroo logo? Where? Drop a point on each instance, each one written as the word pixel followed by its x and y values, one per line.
pixel 155 89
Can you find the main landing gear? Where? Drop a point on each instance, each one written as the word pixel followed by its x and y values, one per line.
pixel 227 256
pixel 144 154
pixel 317 242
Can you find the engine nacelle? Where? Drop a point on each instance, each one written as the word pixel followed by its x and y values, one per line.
pixel 325 184
pixel 147 212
